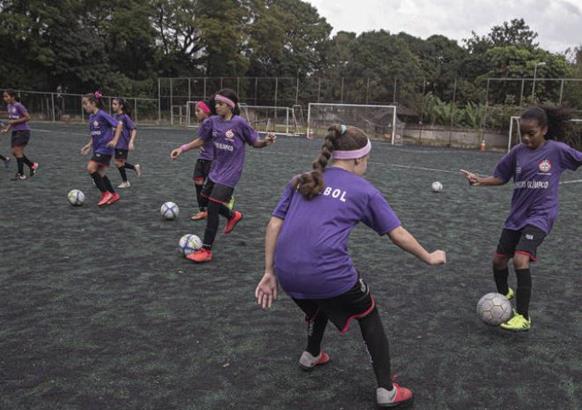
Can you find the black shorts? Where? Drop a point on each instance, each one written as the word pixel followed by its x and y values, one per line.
pixel 525 241
pixel 217 192
pixel 201 170
pixel 101 159
pixel 121 153
pixel 356 303
pixel 20 138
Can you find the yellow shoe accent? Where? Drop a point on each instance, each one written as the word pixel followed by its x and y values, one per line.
pixel 230 204
pixel 518 323
pixel 510 294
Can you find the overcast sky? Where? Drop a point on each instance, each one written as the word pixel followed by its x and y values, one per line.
pixel 557 22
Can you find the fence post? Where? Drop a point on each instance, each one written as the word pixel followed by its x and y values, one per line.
pixel 159 101
pixel 276 89
pixel 319 89
pixel 135 109
pixel 297 92
pixel 561 91
pixel 342 91
pixel 368 90
pixel 53 106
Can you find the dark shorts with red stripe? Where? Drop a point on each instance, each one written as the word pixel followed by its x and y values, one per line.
pixel 525 241
pixel 201 170
pixel 356 303
pixel 121 153
pixel 20 138
pixel 101 159
pixel 217 192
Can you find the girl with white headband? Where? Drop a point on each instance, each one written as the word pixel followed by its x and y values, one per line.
pixel 229 133
pixel 306 252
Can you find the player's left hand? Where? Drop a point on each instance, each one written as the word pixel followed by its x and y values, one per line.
pixel 270 138
pixel 266 292
pixel 131 146
pixel 111 144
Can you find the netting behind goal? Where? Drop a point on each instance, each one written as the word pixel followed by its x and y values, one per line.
pixel 574 137
pixel 378 121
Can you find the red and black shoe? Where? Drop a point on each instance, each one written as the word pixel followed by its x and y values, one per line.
pixel 114 198
pixel 201 255
pixel 105 197
pixel 33 169
pixel 236 218
pixel 309 362
pixel 398 396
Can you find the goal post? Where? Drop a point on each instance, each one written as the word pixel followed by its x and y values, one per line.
pixel 378 121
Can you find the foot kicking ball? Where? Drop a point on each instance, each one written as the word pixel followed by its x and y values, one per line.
pixel 76 197
pixel 494 309
pixel 188 244
pixel 169 211
pixel 437 186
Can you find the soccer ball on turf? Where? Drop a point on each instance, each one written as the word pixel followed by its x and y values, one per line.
pixel 494 309
pixel 188 244
pixel 437 186
pixel 169 211
pixel 76 197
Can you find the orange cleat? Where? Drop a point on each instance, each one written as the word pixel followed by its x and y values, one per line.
pixel 200 256
pixel 236 217
pixel 105 197
pixel 116 197
pixel 200 216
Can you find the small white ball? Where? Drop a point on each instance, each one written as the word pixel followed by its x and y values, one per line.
pixel 169 211
pixel 437 186
pixel 76 197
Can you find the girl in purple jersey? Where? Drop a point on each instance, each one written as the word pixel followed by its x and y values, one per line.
pixel 535 166
pixel 103 140
pixel 18 118
pixel 229 133
pixel 306 252
pixel 203 110
pixel 126 142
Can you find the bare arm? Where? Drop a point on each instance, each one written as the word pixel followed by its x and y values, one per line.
pixel 197 143
pixel 476 180
pixel 87 147
pixel 19 120
pixel 404 239
pixel 115 140
pixel 266 291
pixel 268 140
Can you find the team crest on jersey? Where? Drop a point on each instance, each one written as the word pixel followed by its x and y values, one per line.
pixel 95 123
pixel 229 134
pixel 13 110
pixel 545 165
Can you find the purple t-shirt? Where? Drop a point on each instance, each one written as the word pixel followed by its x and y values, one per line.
pixel 102 127
pixel 311 254
pixel 536 177
pixel 128 126
pixel 207 150
pixel 15 112
pixel 229 138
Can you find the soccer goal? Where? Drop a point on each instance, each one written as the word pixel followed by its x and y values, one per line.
pixel 280 120
pixel 377 121
pixel 574 137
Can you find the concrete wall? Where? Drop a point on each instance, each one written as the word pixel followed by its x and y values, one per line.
pixel 455 137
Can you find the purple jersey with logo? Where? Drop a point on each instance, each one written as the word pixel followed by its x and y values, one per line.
pixel 207 150
pixel 15 112
pixel 229 138
pixel 536 177
pixel 128 126
pixel 311 254
pixel 102 126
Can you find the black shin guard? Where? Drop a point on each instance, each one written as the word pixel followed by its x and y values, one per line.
pixel 378 348
pixel 98 181
pixel 315 331
pixel 211 224
pixel 201 202
pixel 107 184
pixel 523 293
pixel 20 165
pixel 28 162
pixel 129 166
pixel 500 276
pixel 123 174
pixel 224 211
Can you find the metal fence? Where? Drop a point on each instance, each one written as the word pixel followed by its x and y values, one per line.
pixel 52 106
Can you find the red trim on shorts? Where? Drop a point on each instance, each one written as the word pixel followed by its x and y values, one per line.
pixel 358 316
pixel 199 180
pixel 531 257
pixel 502 254
pixel 216 201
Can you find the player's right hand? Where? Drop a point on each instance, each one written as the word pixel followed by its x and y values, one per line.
pixel 266 292
pixel 175 153
pixel 438 258
pixel 471 177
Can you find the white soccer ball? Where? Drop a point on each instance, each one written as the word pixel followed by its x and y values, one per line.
pixel 169 211
pixel 188 244
pixel 437 186
pixel 494 309
pixel 76 197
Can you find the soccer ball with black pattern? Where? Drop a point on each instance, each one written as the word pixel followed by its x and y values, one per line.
pixel 494 309
pixel 169 211
pixel 188 244
pixel 76 197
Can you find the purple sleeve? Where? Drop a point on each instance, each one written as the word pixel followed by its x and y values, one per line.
pixel 280 210
pixel 249 134
pixel 109 119
pixel 505 168
pixel 205 130
pixel 379 216
pixel 129 123
pixel 570 158
pixel 22 111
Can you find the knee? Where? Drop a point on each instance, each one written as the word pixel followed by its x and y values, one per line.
pixel 91 168
pixel 521 261
pixel 500 261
